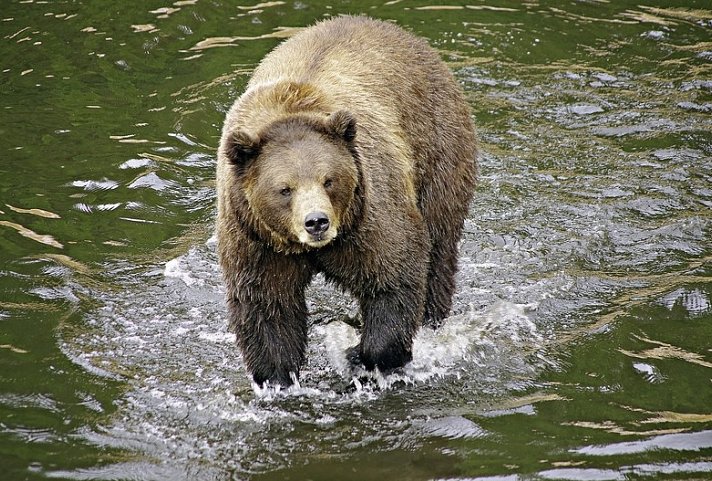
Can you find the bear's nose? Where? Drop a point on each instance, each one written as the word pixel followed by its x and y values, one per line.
pixel 316 223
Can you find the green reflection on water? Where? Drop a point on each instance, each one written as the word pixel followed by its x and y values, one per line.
pixel 110 114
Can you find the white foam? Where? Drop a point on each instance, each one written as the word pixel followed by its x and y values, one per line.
pixel 175 268
pixel 464 340
pixel 694 301
pixel 270 392
pixel 218 337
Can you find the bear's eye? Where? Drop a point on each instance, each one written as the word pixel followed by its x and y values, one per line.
pixel 328 183
pixel 286 192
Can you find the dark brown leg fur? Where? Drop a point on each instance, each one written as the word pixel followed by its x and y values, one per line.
pixel 268 314
pixel 389 324
pixel 441 279
pixel 445 227
pixel 394 312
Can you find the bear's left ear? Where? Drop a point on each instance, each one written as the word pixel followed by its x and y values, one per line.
pixel 241 147
pixel 342 124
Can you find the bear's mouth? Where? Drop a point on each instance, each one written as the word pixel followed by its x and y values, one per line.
pixel 317 240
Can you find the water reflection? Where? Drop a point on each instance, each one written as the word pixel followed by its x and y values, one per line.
pixel 30 234
pixel 578 347
pixel 677 442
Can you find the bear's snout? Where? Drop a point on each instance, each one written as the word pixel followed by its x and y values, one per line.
pixel 316 223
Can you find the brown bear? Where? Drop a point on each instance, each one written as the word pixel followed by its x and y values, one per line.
pixel 351 153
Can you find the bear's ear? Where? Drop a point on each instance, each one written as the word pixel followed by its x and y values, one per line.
pixel 242 147
pixel 342 124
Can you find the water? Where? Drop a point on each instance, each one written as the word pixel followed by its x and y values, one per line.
pixel 580 341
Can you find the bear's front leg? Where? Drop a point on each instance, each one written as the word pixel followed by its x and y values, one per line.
pixel 390 320
pixel 268 315
pixel 272 337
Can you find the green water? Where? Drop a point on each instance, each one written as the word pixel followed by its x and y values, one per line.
pixel 580 345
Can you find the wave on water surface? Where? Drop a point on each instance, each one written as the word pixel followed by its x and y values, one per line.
pixel 188 388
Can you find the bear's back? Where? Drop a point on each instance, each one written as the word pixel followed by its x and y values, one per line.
pixel 350 57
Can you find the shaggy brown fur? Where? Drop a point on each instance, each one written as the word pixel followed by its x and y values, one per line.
pixel 360 127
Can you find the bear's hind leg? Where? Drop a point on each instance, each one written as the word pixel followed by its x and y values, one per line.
pixel 441 279
pixel 445 222
pixel 444 202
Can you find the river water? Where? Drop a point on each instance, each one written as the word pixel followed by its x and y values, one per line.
pixel 580 343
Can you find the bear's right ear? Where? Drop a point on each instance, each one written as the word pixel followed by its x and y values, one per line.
pixel 242 147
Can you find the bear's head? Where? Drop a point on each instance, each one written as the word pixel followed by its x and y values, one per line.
pixel 298 177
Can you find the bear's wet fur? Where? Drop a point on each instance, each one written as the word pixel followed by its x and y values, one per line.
pixel 351 153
